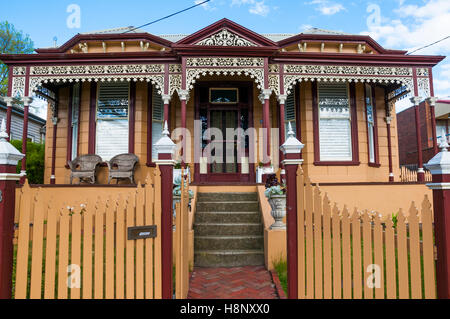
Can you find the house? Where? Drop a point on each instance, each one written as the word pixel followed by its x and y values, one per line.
pixel 431 128
pixel 36 124
pixel 110 92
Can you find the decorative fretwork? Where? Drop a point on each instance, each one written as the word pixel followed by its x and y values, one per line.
pixel 19 70
pixel 422 72
pixel 274 83
pixel 226 38
pixel 174 83
pixel 347 70
pixel 174 68
pixel 225 62
pixel 194 74
pixel 18 87
pixel 423 85
pixel 97 69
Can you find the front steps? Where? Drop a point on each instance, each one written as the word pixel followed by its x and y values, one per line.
pixel 228 230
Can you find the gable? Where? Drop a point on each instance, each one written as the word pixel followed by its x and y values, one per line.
pixel 226 38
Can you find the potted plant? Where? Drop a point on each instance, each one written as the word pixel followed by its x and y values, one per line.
pixel 276 195
pixel 177 171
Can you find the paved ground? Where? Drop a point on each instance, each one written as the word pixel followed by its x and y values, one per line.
pixel 250 282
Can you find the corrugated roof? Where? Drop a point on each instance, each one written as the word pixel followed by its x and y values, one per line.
pixel 130 29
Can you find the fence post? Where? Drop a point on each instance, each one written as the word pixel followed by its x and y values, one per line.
pixel 9 157
pixel 292 150
pixel 165 148
pixel 439 167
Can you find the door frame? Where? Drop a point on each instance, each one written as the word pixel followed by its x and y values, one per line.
pixel 217 178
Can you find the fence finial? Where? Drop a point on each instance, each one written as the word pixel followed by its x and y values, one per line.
pixel 3 134
pixel 444 144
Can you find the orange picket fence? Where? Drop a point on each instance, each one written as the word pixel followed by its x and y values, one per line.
pixel 82 249
pixel 354 255
pixel 408 175
pixel 181 244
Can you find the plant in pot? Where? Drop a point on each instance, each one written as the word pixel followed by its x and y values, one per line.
pixel 276 195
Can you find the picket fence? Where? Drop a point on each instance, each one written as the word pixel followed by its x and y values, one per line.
pixel 408 175
pixel 360 254
pixel 81 249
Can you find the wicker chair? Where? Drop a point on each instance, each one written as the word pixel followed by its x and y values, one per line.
pixel 122 167
pixel 85 167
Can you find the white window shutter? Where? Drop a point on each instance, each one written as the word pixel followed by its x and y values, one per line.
pixel 290 114
pixel 157 120
pixel 112 120
pixel 334 122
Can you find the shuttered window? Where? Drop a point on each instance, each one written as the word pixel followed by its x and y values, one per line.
pixel 75 119
pixel 289 113
pixel 334 122
pixel 157 120
pixel 370 123
pixel 112 119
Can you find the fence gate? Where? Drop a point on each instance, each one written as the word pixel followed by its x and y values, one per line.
pixel 360 254
pixel 86 248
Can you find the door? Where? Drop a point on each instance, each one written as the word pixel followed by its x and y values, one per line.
pixel 224 153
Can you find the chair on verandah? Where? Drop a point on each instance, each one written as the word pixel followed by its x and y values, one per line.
pixel 85 167
pixel 122 167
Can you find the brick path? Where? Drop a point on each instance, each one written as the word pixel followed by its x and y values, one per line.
pixel 250 282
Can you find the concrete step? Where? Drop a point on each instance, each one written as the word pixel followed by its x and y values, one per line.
pixel 225 258
pixel 225 206
pixel 228 243
pixel 228 217
pixel 223 197
pixel 228 229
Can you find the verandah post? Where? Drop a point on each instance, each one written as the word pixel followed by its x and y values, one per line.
pixel 439 167
pixel 9 157
pixel 292 149
pixel 166 148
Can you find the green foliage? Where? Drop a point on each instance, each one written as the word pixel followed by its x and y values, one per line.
pixel 12 41
pixel 274 190
pixel 280 266
pixel 35 161
pixel 395 219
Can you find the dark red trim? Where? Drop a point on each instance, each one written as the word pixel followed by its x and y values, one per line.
pixel 166 229
pixel 132 118
pixel 420 176
pixel 354 130
pixel 8 121
pixel 291 230
pixel 69 125
pixel 432 111
pixel 282 129
pixel 92 118
pixel 26 111
pixel 149 124
pixel 298 115
pixel 53 171
pixel 229 25
pixel 123 37
pixel 339 38
pixel 267 125
pixel 368 184
pixel 376 163
pixel 10 78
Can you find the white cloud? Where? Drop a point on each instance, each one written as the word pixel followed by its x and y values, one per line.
pixel 415 26
pixel 255 7
pixel 327 7
pixel 207 6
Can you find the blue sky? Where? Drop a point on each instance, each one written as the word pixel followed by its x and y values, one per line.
pixel 397 24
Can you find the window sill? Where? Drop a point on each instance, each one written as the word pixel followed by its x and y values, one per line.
pixel 376 165
pixel 337 163
pixel 150 164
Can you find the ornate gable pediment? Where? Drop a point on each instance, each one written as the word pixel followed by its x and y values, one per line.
pixel 225 38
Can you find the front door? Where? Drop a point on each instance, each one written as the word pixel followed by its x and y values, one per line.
pixel 222 109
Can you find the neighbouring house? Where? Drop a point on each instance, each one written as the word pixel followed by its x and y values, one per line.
pixel 432 127
pixel 110 92
pixel 36 124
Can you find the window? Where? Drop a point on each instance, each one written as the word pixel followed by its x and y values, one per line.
pixel 290 114
pixel 441 130
pixel 371 129
pixel 223 96
pixel 157 120
pixel 334 120
pixel 75 119
pixel 112 119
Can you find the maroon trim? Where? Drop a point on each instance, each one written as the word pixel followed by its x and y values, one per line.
pixel 69 126
pixel 92 118
pixel 10 78
pixel 354 130
pixel 282 129
pixel 26 111
pixel 375 128
pixel 291 230
pixel 149 125
pixel 298 116
pixel 8 121
pixel 124 37
pixel 367 184
pixel 132 118
pixel 339 38
pixel 7 210
pixel 53 171
pixel 229 25
pixel 433 115
pixel 420 176
pixel 267 125
pixel 166 228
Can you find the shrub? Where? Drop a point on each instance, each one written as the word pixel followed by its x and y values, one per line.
pixel 35 161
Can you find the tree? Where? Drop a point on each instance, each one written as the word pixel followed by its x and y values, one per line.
pixel 12 41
